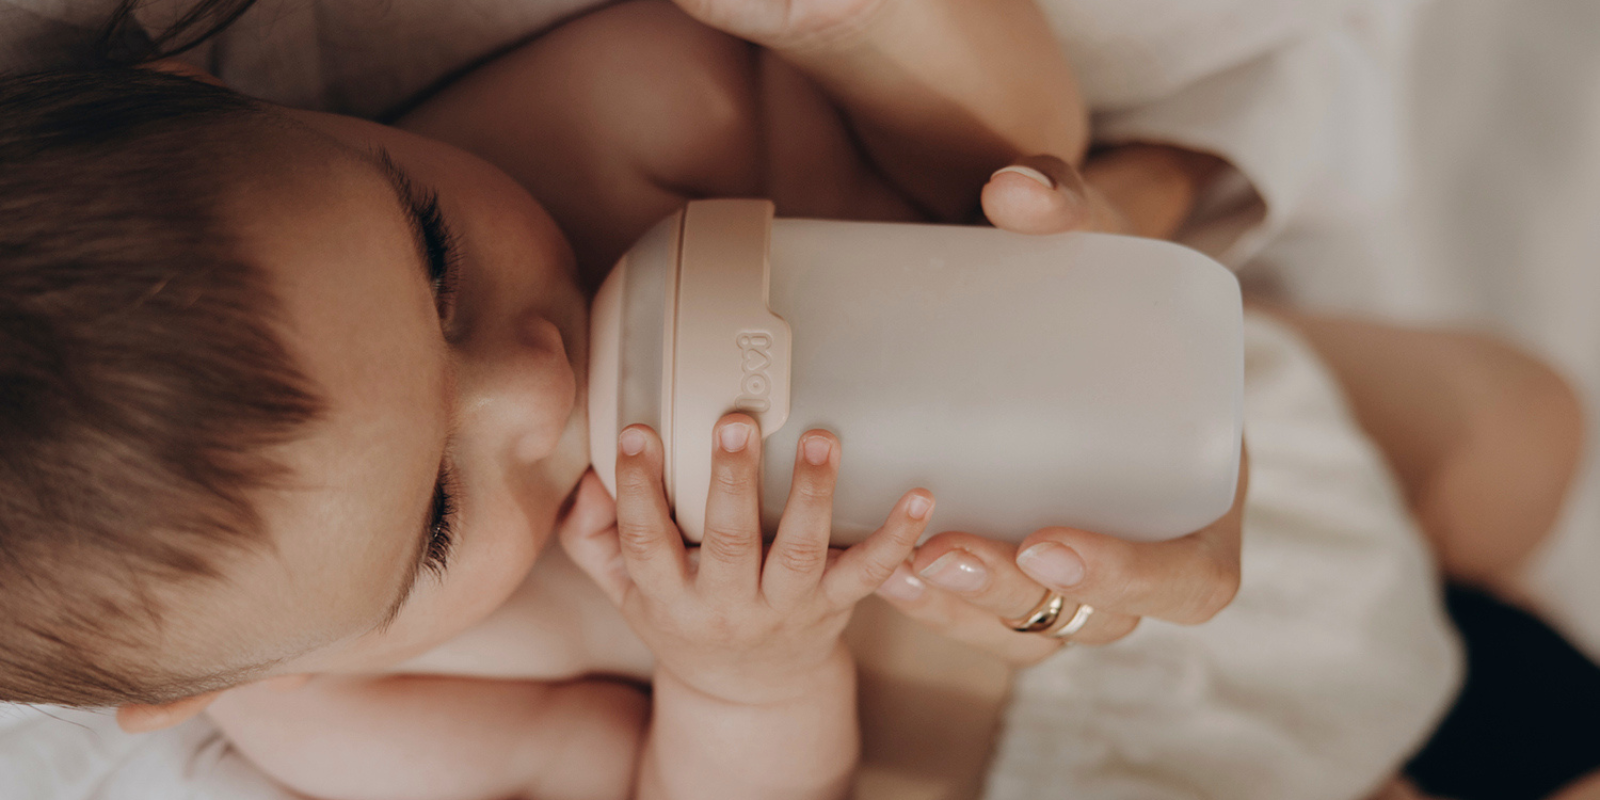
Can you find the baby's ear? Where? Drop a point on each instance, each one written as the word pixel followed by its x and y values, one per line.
pixel 187 70
pixel 135 718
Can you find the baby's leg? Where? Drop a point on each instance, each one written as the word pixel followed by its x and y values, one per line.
pixel 616 119
pixel 1484 438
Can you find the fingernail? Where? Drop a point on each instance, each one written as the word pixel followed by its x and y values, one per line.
pixel 734 436
pixel 917 507
pixel 1053 564
pixel 817 449
pixel 902 585
pixel 958 572
pixel 632 441
pixel 1027 172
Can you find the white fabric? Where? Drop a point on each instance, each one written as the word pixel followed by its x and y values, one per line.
pixel 367 58
pixel 69 754
pixel 1505 143
pixel 1298 96
pixel 1332 664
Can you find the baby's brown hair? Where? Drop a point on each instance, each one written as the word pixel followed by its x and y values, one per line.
pixel 141 374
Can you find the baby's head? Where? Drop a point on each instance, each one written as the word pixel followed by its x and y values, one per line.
pixel 280 392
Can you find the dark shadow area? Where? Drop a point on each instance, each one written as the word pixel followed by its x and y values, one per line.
pixel 1528 719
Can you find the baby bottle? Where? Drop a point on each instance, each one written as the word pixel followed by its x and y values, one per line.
pixel 1081 379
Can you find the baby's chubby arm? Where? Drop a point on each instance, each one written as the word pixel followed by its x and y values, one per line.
pixel 438 738
pixel 754 691
pixel 940 92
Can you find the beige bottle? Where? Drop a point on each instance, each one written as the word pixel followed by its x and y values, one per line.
pixel 1086 380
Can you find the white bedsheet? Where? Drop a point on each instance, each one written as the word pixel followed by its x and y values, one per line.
pixel 69 754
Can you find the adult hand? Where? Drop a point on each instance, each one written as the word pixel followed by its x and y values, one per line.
pixel 964 585
pixel 782 24
pixel 1134 189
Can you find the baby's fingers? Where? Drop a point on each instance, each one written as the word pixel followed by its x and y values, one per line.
pixel 730 551
pixel 652 546
pixel 589 536
pixel 865 566
pixel 799 553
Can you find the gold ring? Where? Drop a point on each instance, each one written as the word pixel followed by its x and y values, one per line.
pixel 1079 619
pixel 1043 615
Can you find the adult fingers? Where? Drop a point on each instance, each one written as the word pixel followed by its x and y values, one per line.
pixel 1185 580
pixel 955 618
pixel 651 545
pixel 1042 195
pixel 860 570
pixel 984 573
pixel 1153 187
pixel 799 552
pixel 588 534
pixel 730 550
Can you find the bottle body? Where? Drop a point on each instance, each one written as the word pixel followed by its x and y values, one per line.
pixel 1083 380
pixel 1027 381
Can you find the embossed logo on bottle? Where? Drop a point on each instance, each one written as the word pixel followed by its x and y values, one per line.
pixel 755 385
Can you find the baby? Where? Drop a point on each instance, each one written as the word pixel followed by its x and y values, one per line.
pixel 350 351
pixel 308 426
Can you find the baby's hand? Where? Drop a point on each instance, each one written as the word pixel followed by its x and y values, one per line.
pixel 785 24
pixel 729 618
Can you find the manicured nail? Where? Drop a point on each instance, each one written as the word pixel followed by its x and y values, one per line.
pixel 632 441
pixel 734 436
pixel 817 449
pixel 902 585
pixel 1027 172
pixel 1052 564
pixel 957 571
pixel 917 507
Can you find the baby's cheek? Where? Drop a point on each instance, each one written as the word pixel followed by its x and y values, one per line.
pixel 499 553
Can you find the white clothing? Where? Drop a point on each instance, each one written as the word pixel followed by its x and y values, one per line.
pixel 1505 139
pixel 75 754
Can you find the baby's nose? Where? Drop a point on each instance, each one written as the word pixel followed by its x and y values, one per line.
pixel 520 389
